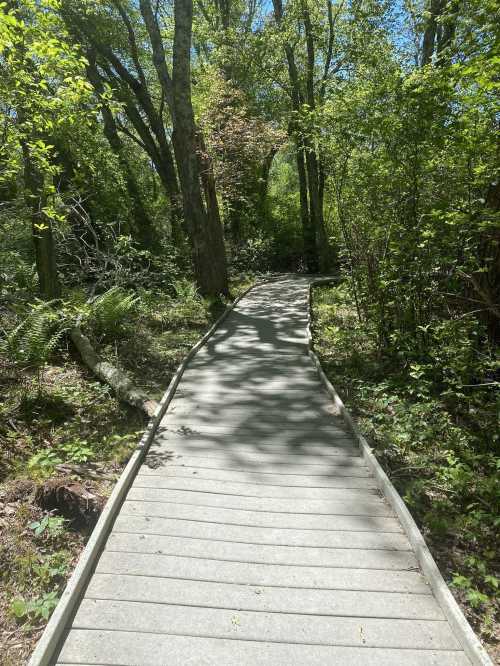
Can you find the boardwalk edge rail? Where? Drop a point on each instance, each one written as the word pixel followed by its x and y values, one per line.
pixel 50 640
pixel 461 627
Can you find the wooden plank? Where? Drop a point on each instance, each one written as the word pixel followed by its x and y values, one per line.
pixel 313 444
pixel 273 627
pixel 286 393
pixel 262 518
pixel 166 566
pixel 298 417
pixel 369 506
pixel 263 466
pixel 339 488
pixel 264 535
pixel 292 468
pixel 130 649
pixel 342 477
pixel 346 603
pixel 261 553
pixel 201 383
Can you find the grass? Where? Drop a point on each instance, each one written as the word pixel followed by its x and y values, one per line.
pixel 438 444
pixel 64 434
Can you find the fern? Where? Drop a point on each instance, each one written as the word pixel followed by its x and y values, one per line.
pixel 37 337
pixel 109 310
pixel 186 290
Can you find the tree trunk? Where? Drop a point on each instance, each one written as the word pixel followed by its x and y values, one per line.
pixel 308 222
pixel 144 224
pixel 205 230
pixel 264 184
pixel 314 175
pixel 138 106
pixel 209 188
pixel 45 256
pixel 111 375
pixel 161 156
pixel 429 38
pixel 308 228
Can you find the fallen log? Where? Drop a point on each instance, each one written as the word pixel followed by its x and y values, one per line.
pixel 108 373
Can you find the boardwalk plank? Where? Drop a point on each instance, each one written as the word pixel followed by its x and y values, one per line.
pixel 273 627
pixel 370 506
pixel 331 521
pixel 245 573
pixel 270 599
pixel 272 536
pixel 109 648
pixel 271 487
pixel 312 445
pixel 345 479
pixel 265 554
pixel 231 466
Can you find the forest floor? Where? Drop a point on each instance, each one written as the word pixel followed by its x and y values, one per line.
pixel 439 455
pixel 64 440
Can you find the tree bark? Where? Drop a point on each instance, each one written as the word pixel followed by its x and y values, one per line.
pixel 133 92
pixel 45 255
pixel 144 225
pixel 308 221
pixel 429 38
pixel 205 230
pixel 308 228
pixel 107 373
pixel 313 159
pixel 264 184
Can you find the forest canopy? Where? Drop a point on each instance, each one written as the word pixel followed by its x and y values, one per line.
pixel 357 136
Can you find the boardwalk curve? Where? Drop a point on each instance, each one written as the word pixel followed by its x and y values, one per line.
pixel 254 531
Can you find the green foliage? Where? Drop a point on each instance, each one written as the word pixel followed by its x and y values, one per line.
pixel 16 271
pixel 186 308
pixel 255 254
pixel 46 572
pixel 37 608
pixel 77 451
pixel 43 463
pixel 109 311
pixel 437 437
pixel 51 525
pixel 36 338
pixel 186 291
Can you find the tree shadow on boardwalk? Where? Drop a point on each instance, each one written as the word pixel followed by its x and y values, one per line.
pixel 252 401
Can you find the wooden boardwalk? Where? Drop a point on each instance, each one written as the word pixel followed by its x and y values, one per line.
pixel 254 533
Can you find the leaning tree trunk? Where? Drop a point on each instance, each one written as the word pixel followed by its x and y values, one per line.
pixel 143 223
pixel 206 230
pixel 429 38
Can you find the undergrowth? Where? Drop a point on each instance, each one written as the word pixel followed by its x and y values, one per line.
pixel 58 425
pixel 436 437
